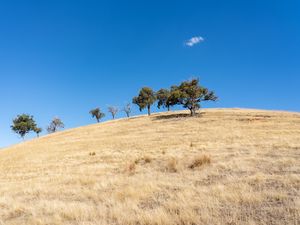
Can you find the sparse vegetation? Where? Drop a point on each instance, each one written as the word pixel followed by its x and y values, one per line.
pixel 252 177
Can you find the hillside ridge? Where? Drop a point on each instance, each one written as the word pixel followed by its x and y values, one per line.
pixel 225 166
pixel 152 115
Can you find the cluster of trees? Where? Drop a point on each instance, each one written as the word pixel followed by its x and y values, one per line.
pixel 188 94
pixel 113 110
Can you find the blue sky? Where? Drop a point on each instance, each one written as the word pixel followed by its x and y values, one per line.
pixel 62 58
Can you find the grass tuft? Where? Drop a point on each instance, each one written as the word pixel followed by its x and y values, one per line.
pixel 172 165
pixel 200 161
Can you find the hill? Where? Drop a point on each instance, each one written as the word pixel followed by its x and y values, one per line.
pixel 225 166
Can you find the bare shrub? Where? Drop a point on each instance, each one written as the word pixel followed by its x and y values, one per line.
pixel 113 110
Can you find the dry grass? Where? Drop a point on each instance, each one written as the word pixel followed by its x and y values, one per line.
pixel 172 165
pixel 200 161
pixel 253 176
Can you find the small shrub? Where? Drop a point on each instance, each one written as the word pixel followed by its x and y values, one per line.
pixel 92 153
pixel 200 161
pixel 147 159
pixel 144 160
pixel 163 152
pixel 172 165
pixel 192 144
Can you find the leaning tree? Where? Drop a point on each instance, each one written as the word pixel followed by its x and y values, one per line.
pixel 190 94
pixel 145 99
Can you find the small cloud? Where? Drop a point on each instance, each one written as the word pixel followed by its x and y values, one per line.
pixel 193 41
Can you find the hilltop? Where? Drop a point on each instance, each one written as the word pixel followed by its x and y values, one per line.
pixel 224 166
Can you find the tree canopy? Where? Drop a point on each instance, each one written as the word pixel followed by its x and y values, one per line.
pixel 23 124
pixel 145 99
pixel 163 98
pixel 96 113
pixel 190 94
pixel 55 124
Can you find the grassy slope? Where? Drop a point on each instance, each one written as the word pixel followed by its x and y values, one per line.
pixel 140 173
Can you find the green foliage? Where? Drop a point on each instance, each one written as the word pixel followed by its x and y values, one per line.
pixel 37 130
pixel 190 94
pixel 175 95
pixel 163 97
pixel 145 99
pixel 55 124
pixel 23 124
pixel 96 113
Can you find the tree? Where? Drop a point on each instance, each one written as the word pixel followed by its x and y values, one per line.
pixel 163 97
pixel 190 94
pixel 23 124
pixel 97 114
pixel 37 130
pixel 127 109
pixel 145 99
pixel 55 124
pixel 175 95
pixel 113 110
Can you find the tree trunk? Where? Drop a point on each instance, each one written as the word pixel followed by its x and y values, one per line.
pixel 168 108
pixel 193 111
pixel 149 112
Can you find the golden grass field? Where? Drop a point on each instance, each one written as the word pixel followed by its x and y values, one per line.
pixel 223 167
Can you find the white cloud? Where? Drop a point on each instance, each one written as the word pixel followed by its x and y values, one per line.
pixel 193 41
